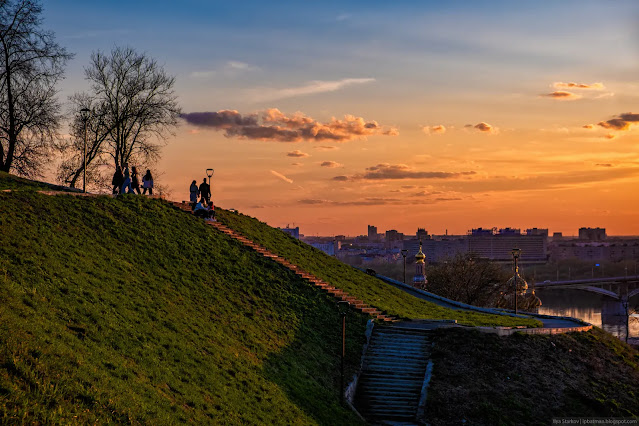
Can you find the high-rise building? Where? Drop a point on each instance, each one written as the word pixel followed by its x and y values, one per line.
pixel 592 234
pixel 498 245
pixel 422 234
pixel 372 233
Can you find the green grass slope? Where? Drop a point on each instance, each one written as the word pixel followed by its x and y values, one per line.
pixel 372 290
pixel 481 379
pixel 126 310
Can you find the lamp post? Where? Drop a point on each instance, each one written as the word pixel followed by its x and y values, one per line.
pixel 404 253
pixel 516 253
pixel 84 115
pixel 343 308
pixel 209 173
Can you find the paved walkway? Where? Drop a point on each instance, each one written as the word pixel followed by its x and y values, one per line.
pixel 550 323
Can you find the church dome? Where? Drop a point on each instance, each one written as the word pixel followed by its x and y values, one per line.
pixel 420 256
pixel 522 285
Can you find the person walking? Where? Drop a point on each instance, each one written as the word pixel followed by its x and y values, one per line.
pixel 126 185
pixel 147 183
pixel 195 193
pixel 118 180
pixel 205 191
pixel 135 180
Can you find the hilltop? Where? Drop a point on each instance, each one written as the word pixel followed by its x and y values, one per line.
pixel 127 310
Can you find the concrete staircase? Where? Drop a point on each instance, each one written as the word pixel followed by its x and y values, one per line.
pixel 337 293
pixel 396 368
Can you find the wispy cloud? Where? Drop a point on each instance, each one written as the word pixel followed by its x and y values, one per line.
pixel 230 68
pixel 273 125
pixel 330 164
pixel 593 86
pixel 297 153
pixel 281 176
pixel 385 171
pixel 562 95
pixel 311 88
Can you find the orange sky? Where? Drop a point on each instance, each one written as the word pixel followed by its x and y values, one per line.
pixel 442 115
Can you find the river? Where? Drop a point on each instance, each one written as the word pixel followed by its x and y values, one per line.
pixel 599 310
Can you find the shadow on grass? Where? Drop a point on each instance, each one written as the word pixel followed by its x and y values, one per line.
pixel 308 369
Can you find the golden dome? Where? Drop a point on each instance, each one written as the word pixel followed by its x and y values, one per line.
pixel 420 256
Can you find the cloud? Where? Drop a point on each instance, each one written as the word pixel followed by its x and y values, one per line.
pixel 281 176
pixel 297 164
pixel 604 165
pixel 588 126
pixel 610 136
pixel 325 148
pixel 439 129
pixel 384 171
pixel 297 153
pixel 310 88
pixel 273 125
pixel 562 95
pixel 621 122
pixel 240 66
pixel 331 164
pixel 593 86
pixel 483 127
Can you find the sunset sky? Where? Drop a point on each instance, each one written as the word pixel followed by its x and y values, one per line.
pixel 444 115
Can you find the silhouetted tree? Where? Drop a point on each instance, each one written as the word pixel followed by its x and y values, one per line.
pixel 463 278
pixel 31 63
pixel 133 109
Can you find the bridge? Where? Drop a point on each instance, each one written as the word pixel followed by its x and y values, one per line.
pixel 620 288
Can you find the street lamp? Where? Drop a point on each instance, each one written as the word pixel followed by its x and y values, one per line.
pixel 343 308
pixel 516 253
pixel 84 115
pixel 209 173
pixel 404 253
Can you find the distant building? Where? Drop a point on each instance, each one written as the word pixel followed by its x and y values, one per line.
pixel 592 234
pixel 330 248
pixel 393 239
pixel 498 245
pixel 422 234
pixel 537 231
pixel 293 232
pixel 557 236
pixel 437 250
pixel 372 233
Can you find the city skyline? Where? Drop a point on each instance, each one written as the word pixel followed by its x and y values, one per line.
pixel 445 116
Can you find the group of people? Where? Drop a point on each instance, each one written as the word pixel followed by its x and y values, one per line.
pixel 129 182
pixel 204 207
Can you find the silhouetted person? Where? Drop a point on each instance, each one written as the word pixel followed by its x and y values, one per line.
pixel 126 185
pixel 118 180
pixel 205 191
pixel 194 194
pixel 147 183
pixel 135 180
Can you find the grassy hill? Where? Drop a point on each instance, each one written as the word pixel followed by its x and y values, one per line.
pixel 126 310
pixel 374 292
pixel 481 379
pixel 129 311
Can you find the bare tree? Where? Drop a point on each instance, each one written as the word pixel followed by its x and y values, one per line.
pixel 31 63
pixel 134 108
pixel 463 278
